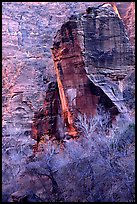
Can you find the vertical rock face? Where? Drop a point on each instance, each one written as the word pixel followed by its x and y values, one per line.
pixel 28 29
pixel 45 119
pixel 129 91
pixel 92 54
pixel 108 54
pixel 74 85
pixel 27 32
pixel 129 20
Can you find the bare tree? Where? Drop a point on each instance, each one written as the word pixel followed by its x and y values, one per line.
pixel 43 167
pixel 104 155
pixel 111 147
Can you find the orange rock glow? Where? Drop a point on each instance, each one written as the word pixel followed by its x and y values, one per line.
pixel 68 119
pixel 115 9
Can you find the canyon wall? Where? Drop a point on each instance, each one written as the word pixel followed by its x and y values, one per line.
pixel 92 55
pixel 129 20
pixel 28 29
pixel 27 33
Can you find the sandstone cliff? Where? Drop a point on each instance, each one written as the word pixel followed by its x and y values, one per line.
pixel 28 29
pixel 92 55
pixel 129 20
pixel 32 103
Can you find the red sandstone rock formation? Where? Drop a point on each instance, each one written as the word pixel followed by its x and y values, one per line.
pixel 71 76
pixel 28 29
pixel 91 46
pixel 45 120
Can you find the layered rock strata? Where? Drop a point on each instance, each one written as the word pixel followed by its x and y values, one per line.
pixel 129 20
pixel 92 55
pixel 27 32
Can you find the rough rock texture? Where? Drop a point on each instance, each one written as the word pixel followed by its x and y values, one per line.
pixel 28 29
pixel 27 32
pixel 71 76
pixel 129 20
pixel 108 53
pixel 92 47
pixel 129 91
pixel 45 119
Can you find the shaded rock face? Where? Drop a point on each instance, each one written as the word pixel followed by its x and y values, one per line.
pixel 45 119
pixel 129 91
pixel 92 54
pixel 129 20
pixel 108 55
pixel 28 29
pixel 73 83
pixel 48 122
pixel 69 66
pixel 27 32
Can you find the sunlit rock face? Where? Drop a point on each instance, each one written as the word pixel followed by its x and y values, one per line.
pixel 28 29
pixel 92 54
pixel 74 85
